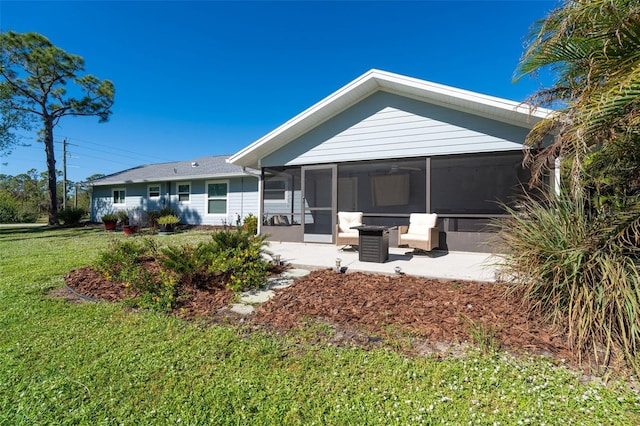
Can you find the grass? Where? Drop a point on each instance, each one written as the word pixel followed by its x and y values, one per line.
pixel 64 363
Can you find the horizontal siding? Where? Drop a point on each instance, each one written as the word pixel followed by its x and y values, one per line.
pixel 242 200
pixel 390 126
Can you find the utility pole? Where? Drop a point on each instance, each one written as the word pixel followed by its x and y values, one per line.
pixel 64 174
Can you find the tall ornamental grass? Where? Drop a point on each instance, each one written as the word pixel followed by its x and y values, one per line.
pixel 580 269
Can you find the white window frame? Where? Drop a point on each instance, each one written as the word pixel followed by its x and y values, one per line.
pixel 178 193
pixel 113 196
pixel 286 190
pixel 149 191
pixel 207 198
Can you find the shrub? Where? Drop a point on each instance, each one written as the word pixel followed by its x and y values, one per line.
pixel 235 256
pixel 191 263
pixel 240 258
pixel 109 217
pixel 251 224
pixel 123 217
pixel 121 260
pixel 580 268
pixel 71 215
pixel 168 220
pixel 14 211
pixel 127 262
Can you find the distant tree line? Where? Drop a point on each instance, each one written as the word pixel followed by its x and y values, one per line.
pixel 24 198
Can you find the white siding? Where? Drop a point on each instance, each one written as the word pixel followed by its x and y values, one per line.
pixel 390 126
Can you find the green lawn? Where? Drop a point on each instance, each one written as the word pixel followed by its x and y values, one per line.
pixel 63 363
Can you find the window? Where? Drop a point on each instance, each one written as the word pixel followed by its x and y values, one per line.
pixel 119 196
pixel 217 197
pixel 184 192
pixel 153 191
pixel 275 189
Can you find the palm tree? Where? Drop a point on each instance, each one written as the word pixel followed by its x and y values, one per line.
pixel 593 49
pixel 576 256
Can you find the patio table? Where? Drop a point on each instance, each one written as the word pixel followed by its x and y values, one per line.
pixel 373 243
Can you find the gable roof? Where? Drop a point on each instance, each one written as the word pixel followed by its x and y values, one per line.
pixel 511 112
pixel 200 168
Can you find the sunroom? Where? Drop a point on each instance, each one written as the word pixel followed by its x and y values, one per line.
pixel 388 145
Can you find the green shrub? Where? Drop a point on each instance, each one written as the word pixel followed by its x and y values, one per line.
pixel 250 224
pixel 580 269
pixel 109 217
pixel 121 260
pixel 235 256
pixel 168 220
pixel 71 215
pixel 125 262
pixel 15 211
pixel 240 258
pixel 191 263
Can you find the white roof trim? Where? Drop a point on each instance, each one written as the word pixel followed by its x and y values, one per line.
pixel 515 113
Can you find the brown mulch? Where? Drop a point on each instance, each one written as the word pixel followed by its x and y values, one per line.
pixel 429 310
pixel 438 311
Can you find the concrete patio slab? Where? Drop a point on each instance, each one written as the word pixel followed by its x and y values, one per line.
pixel 437 264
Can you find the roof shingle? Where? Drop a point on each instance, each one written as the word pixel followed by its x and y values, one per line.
pixel 200 168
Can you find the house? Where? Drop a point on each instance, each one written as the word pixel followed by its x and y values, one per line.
pixel 390 145
pixel 205 191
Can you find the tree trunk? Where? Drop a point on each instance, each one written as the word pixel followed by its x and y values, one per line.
pixel 51 171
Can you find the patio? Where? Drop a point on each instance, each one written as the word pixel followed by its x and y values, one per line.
pixel 435 264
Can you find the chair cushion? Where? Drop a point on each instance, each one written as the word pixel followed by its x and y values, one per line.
pixel 348 219
pixel 420 223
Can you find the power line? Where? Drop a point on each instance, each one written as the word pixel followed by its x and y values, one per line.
pixel 144 155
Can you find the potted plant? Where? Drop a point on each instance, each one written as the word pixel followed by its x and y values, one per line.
pixel 127 227
pixel 168 222
pixel 110 221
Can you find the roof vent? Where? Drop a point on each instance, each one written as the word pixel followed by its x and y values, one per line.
pixel 194 164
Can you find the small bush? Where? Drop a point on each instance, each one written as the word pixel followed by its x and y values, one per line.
pixel 240 258
pixel 168 220
pixel 71 215
pixel 250 224
pixel 127 262
pixel 109 217
pixel 14 211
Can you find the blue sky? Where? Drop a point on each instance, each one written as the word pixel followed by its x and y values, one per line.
pixel 209 77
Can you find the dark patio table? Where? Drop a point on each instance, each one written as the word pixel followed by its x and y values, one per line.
pixel 373 243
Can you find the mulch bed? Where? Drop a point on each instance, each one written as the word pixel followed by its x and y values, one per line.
pixel 428 310
pixel 438 311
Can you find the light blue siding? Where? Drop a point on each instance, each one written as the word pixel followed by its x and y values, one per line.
pixel 242 199
pixel 389 126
